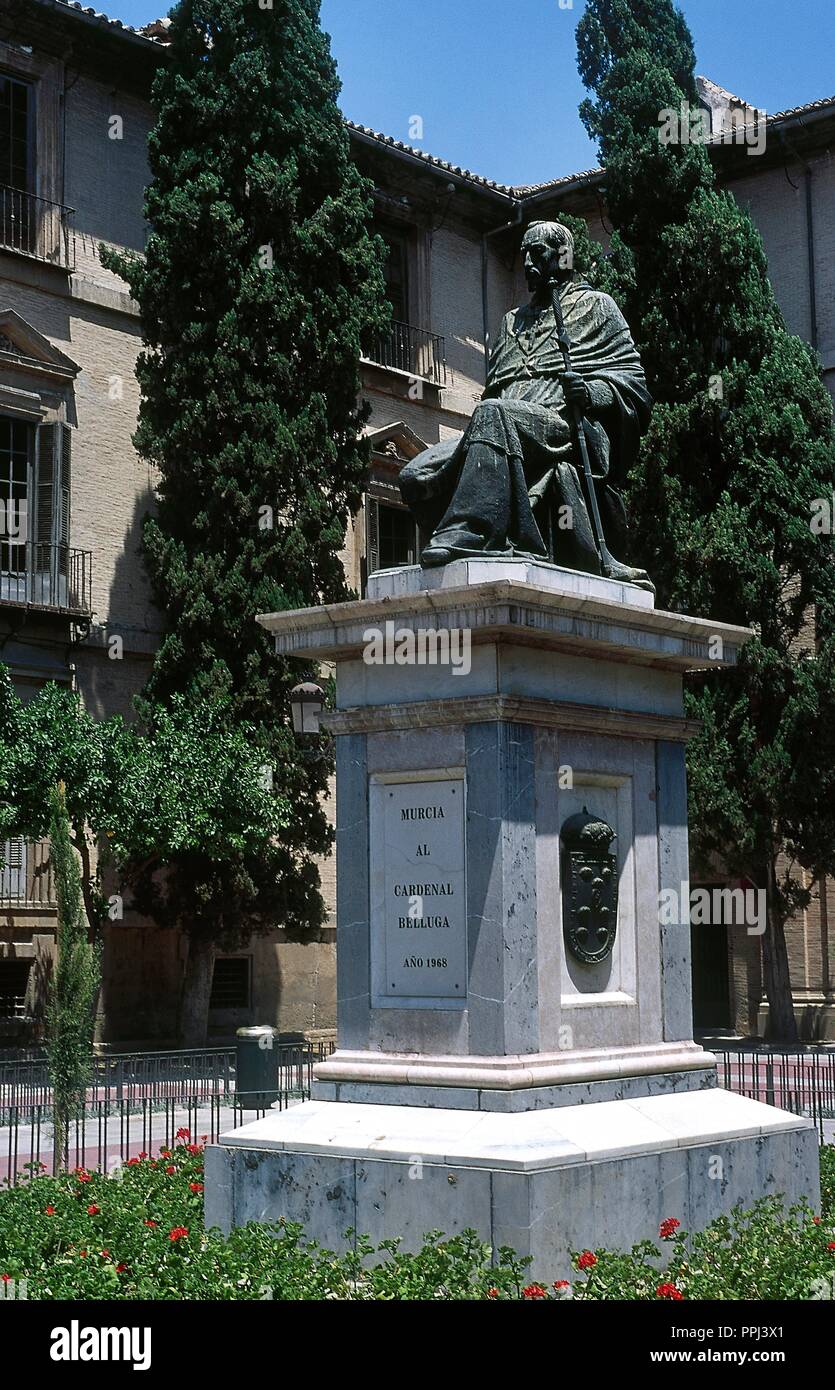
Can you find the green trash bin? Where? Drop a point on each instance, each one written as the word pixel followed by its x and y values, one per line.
pixel 256 1077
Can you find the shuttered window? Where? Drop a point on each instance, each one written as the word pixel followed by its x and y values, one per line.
pixel 391 536
pixel 52 501
pixel 13 872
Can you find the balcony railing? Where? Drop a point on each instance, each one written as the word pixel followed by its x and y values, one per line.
pixel 46 576
pixel 35 227
pixel 411 350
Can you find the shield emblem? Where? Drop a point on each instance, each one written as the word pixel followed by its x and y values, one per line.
pixel 590 888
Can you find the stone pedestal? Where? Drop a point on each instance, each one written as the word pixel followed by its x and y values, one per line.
pixel 485 1075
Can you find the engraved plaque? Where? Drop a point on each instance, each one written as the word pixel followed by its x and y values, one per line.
pixel 418 886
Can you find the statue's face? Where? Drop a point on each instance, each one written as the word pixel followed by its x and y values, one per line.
pixel 542 264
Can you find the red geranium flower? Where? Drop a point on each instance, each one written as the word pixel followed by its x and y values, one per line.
pixel 7 1278
pixel 143 1155
pixel 491 1293
pixel 562 1284
pixel 150 1223
pixel 50 1211
pixel 132 1162
pixel 194 1148
pixel 204 1138
pixel 183 1133
pixel 666 1229
pixel 166 1153
pixel 81 1176
pixel 178 1233
pixel 587 1260
pixel 196 1186
pixel 668 1291
pixel 831 1245
pixel 82 1253
pixel 816 1220
pixel 534 1291
pixel 170 1168
pixel 105 1254
pixel 120 1269
pixel 93 1210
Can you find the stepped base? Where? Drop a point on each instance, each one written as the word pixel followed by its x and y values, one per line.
pixel 545 1181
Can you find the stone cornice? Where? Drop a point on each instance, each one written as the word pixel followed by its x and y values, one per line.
pixel 478 709
pixel 518 613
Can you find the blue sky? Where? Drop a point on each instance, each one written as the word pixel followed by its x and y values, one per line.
pixel 495 81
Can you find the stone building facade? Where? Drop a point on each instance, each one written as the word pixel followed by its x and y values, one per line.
pixel 75 104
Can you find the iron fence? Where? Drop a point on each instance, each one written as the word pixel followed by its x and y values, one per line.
pixel 137 1102
pixel 412 350
pixel 134 1077
pixel 47 576
pixel 802 1081
pixel 106 1133
pixel 36 227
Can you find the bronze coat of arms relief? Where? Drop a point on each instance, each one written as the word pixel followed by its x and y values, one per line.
pixel 589 887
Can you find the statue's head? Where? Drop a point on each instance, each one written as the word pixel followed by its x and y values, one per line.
pixel 547 254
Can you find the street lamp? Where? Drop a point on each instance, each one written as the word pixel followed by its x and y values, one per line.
pixel 306 703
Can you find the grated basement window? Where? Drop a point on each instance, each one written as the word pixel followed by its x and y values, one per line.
pixel 14 985
pixel 231 983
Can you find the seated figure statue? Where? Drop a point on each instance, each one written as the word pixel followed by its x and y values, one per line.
pixel 515 483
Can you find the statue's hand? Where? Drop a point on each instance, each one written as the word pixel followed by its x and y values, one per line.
pixel 576 390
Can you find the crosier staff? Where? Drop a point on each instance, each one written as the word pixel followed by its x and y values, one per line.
pixel 608 564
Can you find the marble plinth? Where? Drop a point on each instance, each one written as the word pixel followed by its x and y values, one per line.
pixel 545 1182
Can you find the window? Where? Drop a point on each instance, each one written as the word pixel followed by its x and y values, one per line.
pixel 16 134
pixel 392 537
pixel 17 214
pixel 35 480
pixel 231 983
pixel 14 987
pixel 396 274
pixel 13 872
pixel 16 458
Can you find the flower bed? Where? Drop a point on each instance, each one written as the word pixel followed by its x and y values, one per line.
pixel 138 1234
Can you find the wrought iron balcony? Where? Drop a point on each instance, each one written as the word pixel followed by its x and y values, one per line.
pixel 46 576
pixel 413 351
pixel 34 227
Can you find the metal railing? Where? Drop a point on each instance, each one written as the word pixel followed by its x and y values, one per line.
pixel 137 1101
pixel 802 1082
pixel 47 576
pixel 411 350
pixel 139 1076
pixel 35 227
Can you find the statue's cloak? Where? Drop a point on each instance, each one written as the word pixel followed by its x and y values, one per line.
pixel 454 489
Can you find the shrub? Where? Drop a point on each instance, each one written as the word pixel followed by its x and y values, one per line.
pixel 138 1234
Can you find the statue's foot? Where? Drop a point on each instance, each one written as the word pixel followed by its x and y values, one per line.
pixel 436 555
pixel 625 574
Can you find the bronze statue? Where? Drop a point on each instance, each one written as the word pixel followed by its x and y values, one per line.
pixel 537 471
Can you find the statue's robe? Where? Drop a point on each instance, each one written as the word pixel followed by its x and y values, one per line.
pixel 504 487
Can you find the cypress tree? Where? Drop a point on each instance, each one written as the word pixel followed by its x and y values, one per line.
pixel 260 285
pixel 70 1014
pixel 736 461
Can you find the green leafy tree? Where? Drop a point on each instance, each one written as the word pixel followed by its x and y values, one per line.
pixel 186 787
pixel 260 286
pixel 739 448
pixel 70 1015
